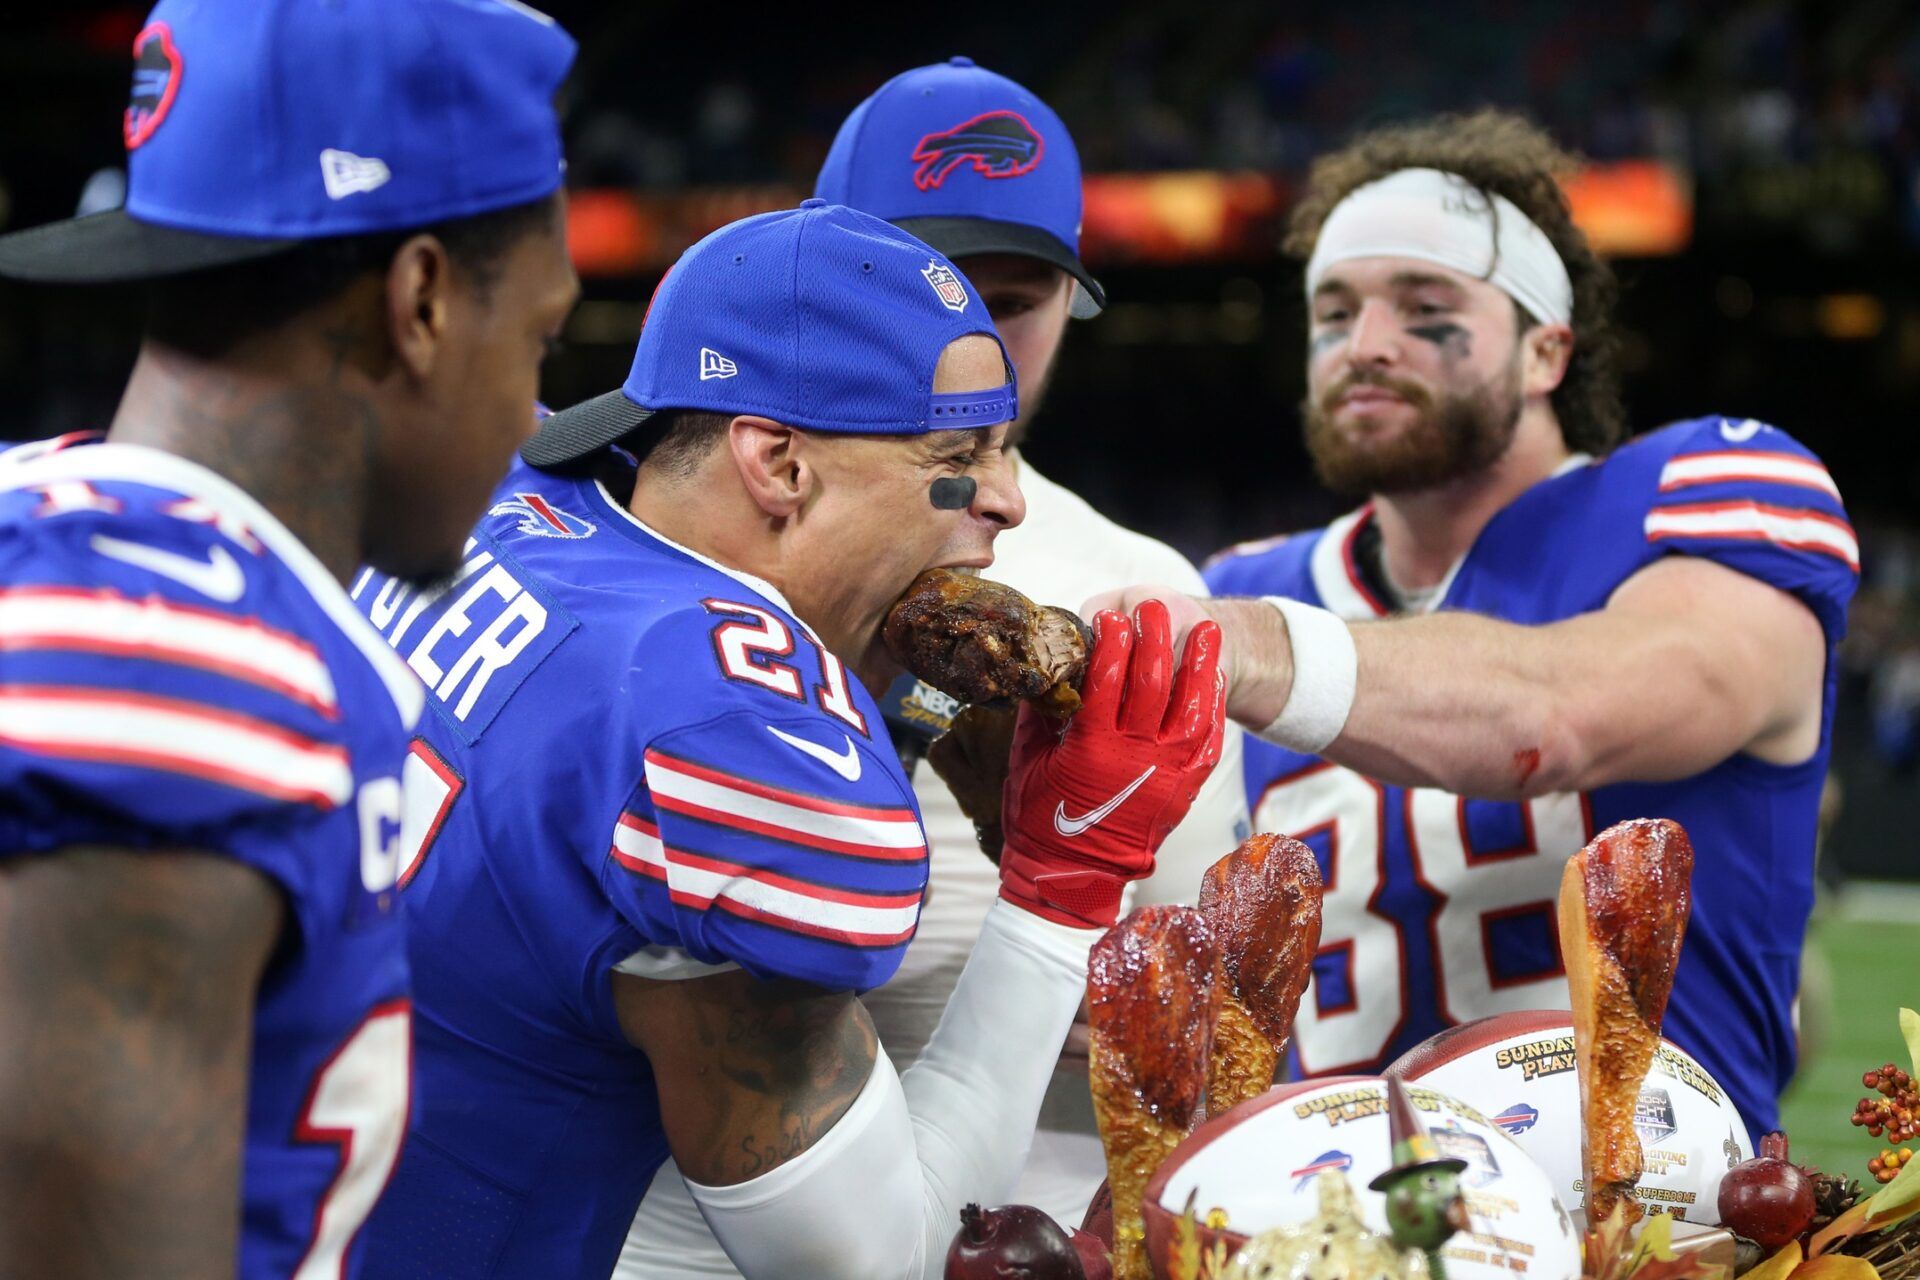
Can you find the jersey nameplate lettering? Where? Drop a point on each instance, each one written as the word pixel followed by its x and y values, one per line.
pixel 473 642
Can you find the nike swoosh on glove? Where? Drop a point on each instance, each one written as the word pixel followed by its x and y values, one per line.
pixel 1087 807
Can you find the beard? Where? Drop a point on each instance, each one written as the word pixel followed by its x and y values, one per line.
pixel 1451 437
pixel 1030 400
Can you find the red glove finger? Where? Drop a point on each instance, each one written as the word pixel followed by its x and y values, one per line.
pixel 1034 732
pixel 1106 680
pixel 1196 688
pixel 1151 675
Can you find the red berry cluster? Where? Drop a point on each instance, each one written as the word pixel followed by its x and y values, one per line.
pixel 1888 1163
pixel 1896 1112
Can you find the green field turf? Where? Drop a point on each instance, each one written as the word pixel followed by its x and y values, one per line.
pixel 1863 964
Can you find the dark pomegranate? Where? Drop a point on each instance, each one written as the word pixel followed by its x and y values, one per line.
pixel 1012 1242
pixel 1767 1199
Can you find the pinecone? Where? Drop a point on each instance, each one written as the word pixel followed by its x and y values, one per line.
pixel 1831 1196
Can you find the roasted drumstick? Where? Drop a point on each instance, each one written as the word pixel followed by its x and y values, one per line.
pixel 1624 901
pixel 1152 997
pixel 982 641
pixel 972 758
pixel 1262 902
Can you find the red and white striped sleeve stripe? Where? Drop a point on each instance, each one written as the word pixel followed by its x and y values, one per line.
pixel 110 726
pixel 81 620
pixel 696 791
pixel 700 881
pixel 1795 528
pixel 1688 470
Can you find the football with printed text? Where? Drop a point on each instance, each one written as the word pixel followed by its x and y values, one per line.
pixel 1253 1169
pixel 1518 1069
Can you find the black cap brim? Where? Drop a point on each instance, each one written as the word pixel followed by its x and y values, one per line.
pixel 958 237
pixel 583 429
pixel 113 248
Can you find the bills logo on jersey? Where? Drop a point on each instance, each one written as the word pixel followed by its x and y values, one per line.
pixel 1517 1118
pixel 946 285
pixel 999 144
pixel 1653 1116
pixel 156 82
pixel 1325 1162
pixel 1455 1143
pixel 541 518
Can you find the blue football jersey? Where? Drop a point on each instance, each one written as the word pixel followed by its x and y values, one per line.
pixel 178 671
pixel 1439 908
pixel 636 759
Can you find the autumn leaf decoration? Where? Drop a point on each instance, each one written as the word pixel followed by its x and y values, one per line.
pixel 1617 1252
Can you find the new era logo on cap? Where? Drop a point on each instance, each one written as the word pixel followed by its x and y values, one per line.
pixel 952 294
pixel 346 173
pixel 714 365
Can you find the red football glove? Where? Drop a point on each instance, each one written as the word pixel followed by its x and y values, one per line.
pixel 1086 810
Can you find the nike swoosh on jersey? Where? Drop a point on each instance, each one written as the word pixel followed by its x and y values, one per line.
pixel 1074 826
pixel 847 765
pixel 218 576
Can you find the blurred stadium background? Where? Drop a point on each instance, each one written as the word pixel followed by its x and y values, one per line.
pixel 1754 172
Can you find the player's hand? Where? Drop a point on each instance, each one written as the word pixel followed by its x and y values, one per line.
pixel 1184 613
pixel 1086 810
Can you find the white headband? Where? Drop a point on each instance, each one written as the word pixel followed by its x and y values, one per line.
pixel 1444 219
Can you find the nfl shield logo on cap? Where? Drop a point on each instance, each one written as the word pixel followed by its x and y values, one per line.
pixel 947 285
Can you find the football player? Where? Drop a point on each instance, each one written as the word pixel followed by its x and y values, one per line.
pixel 985 172
pixel 352 276
pixel 1529 630
pixel 662 837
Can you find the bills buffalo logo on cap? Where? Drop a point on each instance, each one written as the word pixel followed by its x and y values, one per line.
pixel 1325 1162
pixel 1517 1118
pixel 952 294
pixel 541 518
pixel 999 144
pixel 156 81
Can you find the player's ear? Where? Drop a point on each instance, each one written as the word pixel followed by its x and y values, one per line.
pixel 419 278
pixel 1545 351
pixel 765 454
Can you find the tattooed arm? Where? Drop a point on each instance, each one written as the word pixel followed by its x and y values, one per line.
pixel 127 985
pixel 808 1156
pixel 750 1073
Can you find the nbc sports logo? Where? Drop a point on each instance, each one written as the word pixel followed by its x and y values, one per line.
pixel 714 365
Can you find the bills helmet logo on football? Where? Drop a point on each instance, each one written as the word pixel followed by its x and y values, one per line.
pixel 998 144
pixel 1325 1162
pixel 1517 1118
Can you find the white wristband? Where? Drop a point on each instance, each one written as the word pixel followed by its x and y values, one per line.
pixel 1326 669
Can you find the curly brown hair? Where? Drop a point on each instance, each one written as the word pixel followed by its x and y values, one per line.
pixel 1506 154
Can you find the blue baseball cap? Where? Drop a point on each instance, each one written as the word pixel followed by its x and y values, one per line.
pixel 968 161
pixel 257 124
pixel 820 317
